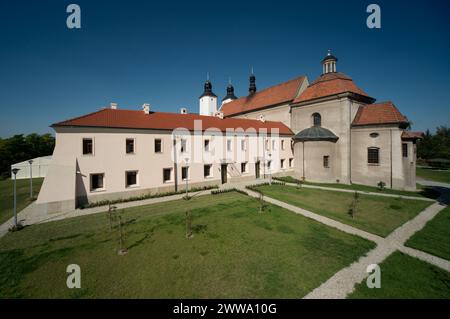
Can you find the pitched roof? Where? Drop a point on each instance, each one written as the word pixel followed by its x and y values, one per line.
pixel 379 113
pixel 330 84
pixel 113 118
pixel 408 135
pixel 281 93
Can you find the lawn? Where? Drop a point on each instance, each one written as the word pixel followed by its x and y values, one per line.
pixel 424 191
pixel 23 196
pixel 436 175
pixel 375 214
pixel 405 277
pixel 236 252
pixel 434 238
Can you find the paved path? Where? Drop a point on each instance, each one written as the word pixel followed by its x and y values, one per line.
pixel 343 282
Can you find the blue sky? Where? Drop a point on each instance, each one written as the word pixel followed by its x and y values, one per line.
pixel 135 52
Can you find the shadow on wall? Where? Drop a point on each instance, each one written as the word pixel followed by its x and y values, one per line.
pixel 81 198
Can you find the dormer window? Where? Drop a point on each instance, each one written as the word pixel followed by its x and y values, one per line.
pixel 317 119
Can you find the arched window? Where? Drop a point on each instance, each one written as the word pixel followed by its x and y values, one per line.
pixel 317 119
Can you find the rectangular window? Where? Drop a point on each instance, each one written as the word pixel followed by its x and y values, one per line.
pixel 158 145
pixel 207 171
pixel 405 150
pixel 184 173
pixel 282 163
pixel 88 148
pixel 167 175
pixel 269 164
pixel 229 145
pixel 282 145
pixel 129 145
pixel 291 162
pixel 206 145
pixel 243 167
pixel 97 182
pixel 243 145
pixel 326 161
pixel 131 179
pixel 183 146
pixel 373 155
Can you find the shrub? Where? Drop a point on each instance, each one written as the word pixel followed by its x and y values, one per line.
pixel 228 190
pixel 381 185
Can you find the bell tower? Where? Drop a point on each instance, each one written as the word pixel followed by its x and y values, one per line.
pixel 208 100
pixel 329 63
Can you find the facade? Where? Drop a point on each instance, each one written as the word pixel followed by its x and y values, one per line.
pixel 326 131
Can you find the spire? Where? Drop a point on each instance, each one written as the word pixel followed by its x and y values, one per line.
pixel 207 88
pixel 329 63
pixel 252 87
pixel 230 91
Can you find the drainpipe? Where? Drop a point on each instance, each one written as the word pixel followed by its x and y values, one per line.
pixel 350 141
pixel 390 131
pixel 303 159
pixel 175 166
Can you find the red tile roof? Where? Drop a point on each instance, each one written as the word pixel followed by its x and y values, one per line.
pixel 113 118
pixel 379 113
pixel 281 93
pixel 408 135
pixel 329 84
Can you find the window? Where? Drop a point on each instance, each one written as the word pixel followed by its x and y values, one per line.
pixel 269 163
pixel 405 150
pixel 207 171
pixel 167 175
pixel 184 173
pixel 229 145
pixel 267 144
pixel 88 148
pixel 131 179
pixel 183 146
pixel 243 145
pixel 317 119
pixel 129 145
pixel 206 145
pixel 326 161
pixel 291 162
pixel 282 163
pixel 373 155
pixel 243 167
pixel 282 145
pixel 158 146
pixel 97 182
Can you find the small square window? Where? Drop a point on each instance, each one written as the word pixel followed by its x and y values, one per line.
pixel 207 171
pixel 206 145
pixel 158 146
pixel 184 173
pixel 129 145
pixel 97 182
pixel 326 161
pixel 131 178
pixel 167 175
pixel 243 167
pixel 88 148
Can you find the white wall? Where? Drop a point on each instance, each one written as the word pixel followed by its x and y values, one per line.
pixel 38 168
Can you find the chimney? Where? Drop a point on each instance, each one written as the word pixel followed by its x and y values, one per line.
pixel 183 110
pixel 146 108
pixel 113 106
pixel 219 115
pixel 262 118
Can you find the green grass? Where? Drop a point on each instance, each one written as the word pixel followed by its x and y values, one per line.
pixel 375 214
pixel 436 175
pixel 236 252
pixel 434 238
pixel 23 196
pixel 405 277
pixel 424 192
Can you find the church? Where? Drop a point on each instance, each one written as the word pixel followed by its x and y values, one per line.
pixel 328 131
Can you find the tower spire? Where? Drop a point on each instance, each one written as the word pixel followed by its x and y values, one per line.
pixel 252 87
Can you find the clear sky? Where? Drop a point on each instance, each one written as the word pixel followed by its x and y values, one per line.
pixel 135 52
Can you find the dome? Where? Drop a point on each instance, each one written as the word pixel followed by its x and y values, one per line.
pixel 316 133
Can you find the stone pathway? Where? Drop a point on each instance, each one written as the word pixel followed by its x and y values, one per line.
pixel 343 282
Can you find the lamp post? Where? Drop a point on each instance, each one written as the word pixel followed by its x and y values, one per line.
pixel 31 178
pixel 187 175
pixel 15 170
